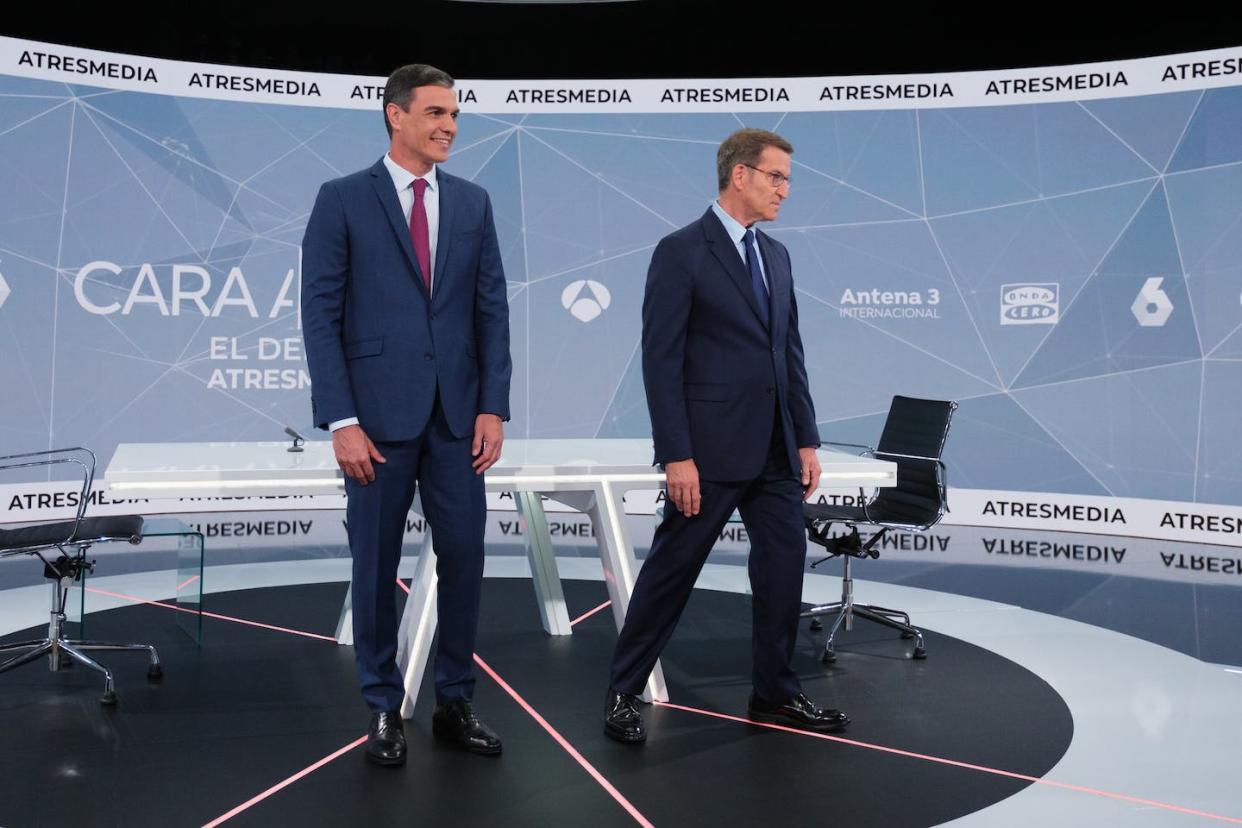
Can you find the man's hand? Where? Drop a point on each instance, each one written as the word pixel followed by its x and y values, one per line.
pixel 354 453
pixel 682 477
pixel 489 434
pixel 810 471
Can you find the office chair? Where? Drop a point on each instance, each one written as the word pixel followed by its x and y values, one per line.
pixel 913 438
pixel 71 538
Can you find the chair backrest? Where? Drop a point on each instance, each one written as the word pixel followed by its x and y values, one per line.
pixel 914 429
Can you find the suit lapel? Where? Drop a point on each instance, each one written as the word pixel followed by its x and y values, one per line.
pixel 447 184
pixel 723 249
pixel 387 195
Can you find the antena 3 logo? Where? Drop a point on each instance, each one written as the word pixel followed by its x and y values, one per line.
pixel 1033 303
pixel 585 299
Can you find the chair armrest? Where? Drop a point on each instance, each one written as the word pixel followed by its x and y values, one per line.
pixel 942 475
pixel 81 457
pixel 865 449
pixel 907 456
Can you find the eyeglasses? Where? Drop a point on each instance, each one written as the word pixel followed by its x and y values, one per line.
pixel 776 179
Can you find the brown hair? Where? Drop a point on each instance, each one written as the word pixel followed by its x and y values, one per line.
pixel 744 147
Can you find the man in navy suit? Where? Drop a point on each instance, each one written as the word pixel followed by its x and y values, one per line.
pixel 733 426
pixel 406 326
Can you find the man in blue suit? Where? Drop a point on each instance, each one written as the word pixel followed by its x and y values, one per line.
pixel 406 327
pixel 733 426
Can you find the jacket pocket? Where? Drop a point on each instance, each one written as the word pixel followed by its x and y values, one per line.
pixel 364 348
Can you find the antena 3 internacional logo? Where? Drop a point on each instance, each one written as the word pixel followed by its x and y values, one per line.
pixel 1031 303
pixel 585 299
pixel 876 303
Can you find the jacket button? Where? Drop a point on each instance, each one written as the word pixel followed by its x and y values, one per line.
pixel 429 356
pixel 769 389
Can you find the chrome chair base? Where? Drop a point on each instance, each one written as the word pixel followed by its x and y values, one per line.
pixel 846 610
pixel 56 647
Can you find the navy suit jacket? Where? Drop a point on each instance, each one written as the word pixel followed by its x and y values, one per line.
pixel 377 345
pixel 715 376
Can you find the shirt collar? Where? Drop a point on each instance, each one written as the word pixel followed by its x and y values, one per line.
pixel 732 226
pixel 401 177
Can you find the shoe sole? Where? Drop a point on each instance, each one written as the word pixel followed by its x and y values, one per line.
pixel 449 739
pixel 623 737
pixel 387 763
pixel 767 718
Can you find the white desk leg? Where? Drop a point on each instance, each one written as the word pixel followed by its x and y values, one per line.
pixel 616 553
pixel 418 625
pixel 345 624
pixel 548 592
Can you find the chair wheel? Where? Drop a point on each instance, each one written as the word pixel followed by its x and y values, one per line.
pixel 829 657
pixel 109 698
pixel 816 625
pixel 155 673
pixel 920 653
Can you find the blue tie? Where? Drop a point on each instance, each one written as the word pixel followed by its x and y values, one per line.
pixel 756 276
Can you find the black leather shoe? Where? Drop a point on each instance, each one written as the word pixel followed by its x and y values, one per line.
pixel 386 739
pixel 622 721
pixel 456 723
pixel 799 712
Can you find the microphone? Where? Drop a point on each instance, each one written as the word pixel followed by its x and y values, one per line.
pixel 298 439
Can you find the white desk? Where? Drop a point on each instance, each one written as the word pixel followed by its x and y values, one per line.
pixel 591 476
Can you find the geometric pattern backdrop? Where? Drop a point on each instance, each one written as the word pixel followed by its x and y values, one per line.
pixel 1003 257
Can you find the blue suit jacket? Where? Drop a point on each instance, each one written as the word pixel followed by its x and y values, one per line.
pixel 376 345
pixel 715 376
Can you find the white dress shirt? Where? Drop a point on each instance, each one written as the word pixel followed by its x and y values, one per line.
pixel 736 232
pixel 403 180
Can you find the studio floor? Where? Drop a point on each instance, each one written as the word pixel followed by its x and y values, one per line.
pixel 1017 717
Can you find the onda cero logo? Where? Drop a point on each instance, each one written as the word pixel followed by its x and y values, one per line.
pixel 1030 304
pixel 585 299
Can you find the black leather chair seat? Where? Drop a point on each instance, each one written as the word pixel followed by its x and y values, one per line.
pixel 112 527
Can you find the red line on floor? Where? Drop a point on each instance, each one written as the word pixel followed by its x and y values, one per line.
pixel 564 743
pixel 955 763
pixel 206 614
pixel 286 783
pixel 595 774
pixel 587 615
pixel 186 583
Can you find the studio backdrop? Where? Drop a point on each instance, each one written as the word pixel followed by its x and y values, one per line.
pixel 1057 249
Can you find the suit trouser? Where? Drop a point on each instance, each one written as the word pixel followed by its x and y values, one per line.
pixel 455 507
pixel 771 509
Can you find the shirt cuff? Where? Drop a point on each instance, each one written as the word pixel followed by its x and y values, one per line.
pixel 348 421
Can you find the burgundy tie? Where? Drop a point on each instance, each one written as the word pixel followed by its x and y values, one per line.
pixel 418 232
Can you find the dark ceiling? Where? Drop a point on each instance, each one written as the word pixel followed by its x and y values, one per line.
pixel 644 38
